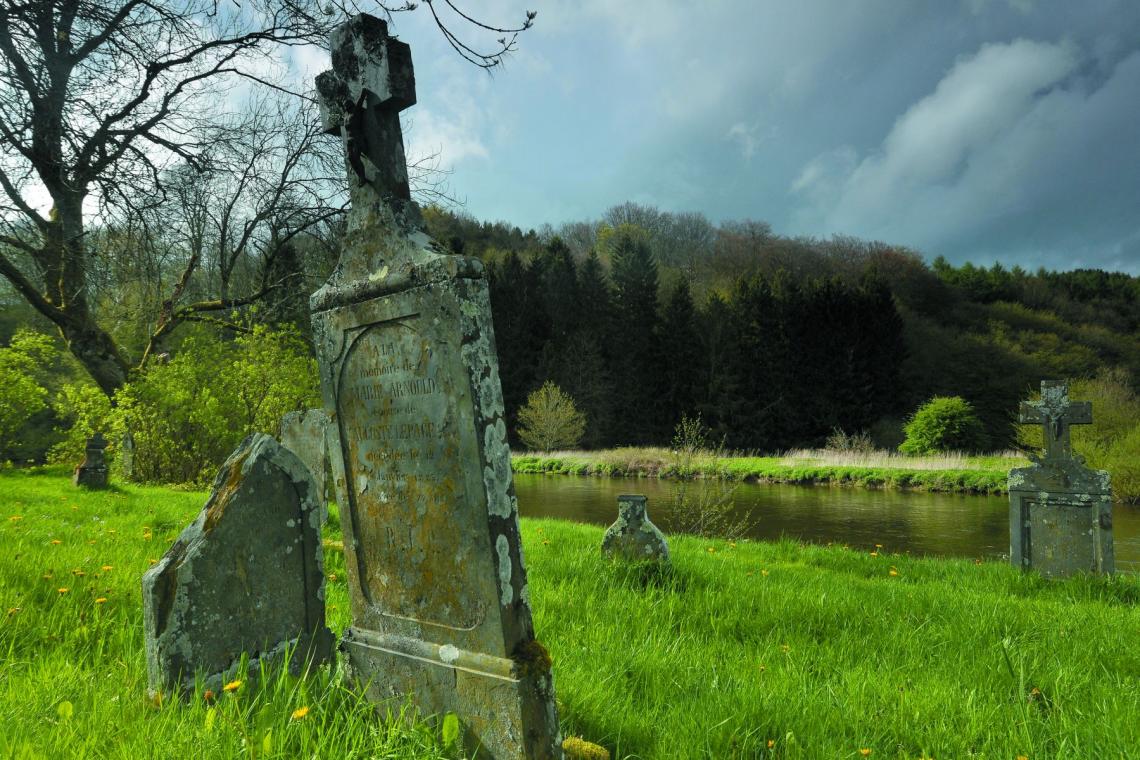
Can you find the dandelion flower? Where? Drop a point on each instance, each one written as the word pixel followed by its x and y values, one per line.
pixel 78 573
pixel 105 568
pixel 878 546
pixel 332 576
pixel 785 648
pixel 873 554
pixel 893 572
pixel 63 590
pixel 865 752
pixel 12 611
pixel 232 686
pixel 771 743
pixel 300 713
pixel 14 518
pixel 764 573
pixel 546 542
pixel 153 561
pixel 712 549
pixel 56 542
pixel 209 695
pixel 101 600
pixel 731 545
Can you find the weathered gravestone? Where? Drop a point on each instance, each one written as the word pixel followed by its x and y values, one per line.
pixel 304 433
pixel 1060 512
pixel 245 577
pixel 92 471
pixel 439 594
pixel 632 536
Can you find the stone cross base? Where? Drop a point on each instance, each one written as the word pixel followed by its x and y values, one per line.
pixel 496 698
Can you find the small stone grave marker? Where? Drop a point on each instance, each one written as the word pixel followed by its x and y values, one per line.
pixel 304 433
pixel 440 604
pixel 245 577
pixel 632 536
pixel 1060 512
pixel 92 471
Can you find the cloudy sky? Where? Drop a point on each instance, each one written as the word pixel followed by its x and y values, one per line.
pixel 980 130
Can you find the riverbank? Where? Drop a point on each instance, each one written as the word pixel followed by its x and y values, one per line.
pixel 952 473
pixel 746 649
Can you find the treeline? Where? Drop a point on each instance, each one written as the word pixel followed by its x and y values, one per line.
pixel 645 315
pixel 774 362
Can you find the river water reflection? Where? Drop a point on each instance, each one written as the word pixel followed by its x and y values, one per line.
pixel 918 522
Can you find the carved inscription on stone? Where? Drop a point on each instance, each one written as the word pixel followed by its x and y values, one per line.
pixel 400 442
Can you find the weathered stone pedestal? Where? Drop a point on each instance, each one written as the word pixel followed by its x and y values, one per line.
pixel 633 537
pixel 409 374
pixel 92 471
pixel 1060 512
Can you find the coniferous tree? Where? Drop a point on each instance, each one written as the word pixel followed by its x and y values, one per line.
pixel 635 338
pixel 681 356
pixel 522 328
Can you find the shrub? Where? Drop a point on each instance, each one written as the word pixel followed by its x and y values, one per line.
pixel 22 395
pixel 945 423
pixel 188 414
pixel 549 420
pixel 857 443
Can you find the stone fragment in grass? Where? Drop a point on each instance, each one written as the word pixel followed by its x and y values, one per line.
pixel 633 537
pixel 304 433
pixel 92 471
pixel 245 578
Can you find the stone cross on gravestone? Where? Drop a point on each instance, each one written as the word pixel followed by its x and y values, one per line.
pixel 360 99
pixel 1055 413
pixel 1060 512
pixel 418 441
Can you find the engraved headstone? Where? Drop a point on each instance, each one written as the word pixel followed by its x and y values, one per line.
pixel 632 536
pixel 245 577
pixel 92 471
pixel 409 374
pixel 1060 512
pixel 304 433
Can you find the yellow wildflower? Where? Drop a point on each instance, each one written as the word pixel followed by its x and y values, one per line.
pixel 893 572
pixel 56 542
pixel 873 554
pixel 153 561
pixel 785 648
pixel 771 743
pixel 711 549
pixel 232 686
pixel 208 695
pixel 300 712
pixel 101 600
pixel 105 568
pixel 14 518
pixel 63 590
pixel 865 752
pixel 13 610
pixel 332 577
pixel 764 573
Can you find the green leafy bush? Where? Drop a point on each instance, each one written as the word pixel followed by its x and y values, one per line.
pixel 945 423
pixel 187 415
pixel 22 394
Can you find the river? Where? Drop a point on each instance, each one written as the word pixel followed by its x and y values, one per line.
pixel 949 525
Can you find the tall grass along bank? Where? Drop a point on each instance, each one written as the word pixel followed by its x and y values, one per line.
pixel 744 650
pixel 957 473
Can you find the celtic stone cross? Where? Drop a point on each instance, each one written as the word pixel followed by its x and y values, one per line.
pixel 360 99
pixel 1055 413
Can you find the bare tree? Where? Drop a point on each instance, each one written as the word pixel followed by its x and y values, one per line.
pixel 98 98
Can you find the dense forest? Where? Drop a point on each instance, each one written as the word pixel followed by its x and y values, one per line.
pixel 643 316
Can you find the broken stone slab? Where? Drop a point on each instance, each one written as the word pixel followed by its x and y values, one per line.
pixel 246 577
pixel 92 471
pixel 633 537
pixel 304 433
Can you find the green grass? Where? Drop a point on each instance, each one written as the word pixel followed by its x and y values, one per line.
pixel 950 473
pixel 819 650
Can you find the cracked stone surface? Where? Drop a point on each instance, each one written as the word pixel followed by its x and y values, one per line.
pixel 1060 512
pixel 419 454
pixel 246 577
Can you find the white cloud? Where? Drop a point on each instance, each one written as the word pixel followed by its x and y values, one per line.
pixel 747 136
pixel 955 156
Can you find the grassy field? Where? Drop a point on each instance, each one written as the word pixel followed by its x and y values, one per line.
pixel 951 472
pixel 746 650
